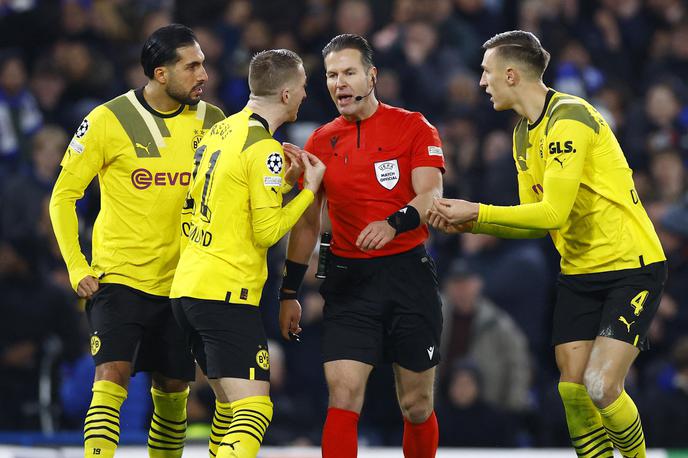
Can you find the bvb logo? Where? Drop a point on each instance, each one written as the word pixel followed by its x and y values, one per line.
pixel 95 345
pixel 263 359
pixel 196 141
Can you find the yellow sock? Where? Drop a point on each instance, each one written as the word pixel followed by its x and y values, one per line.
pixel 168 425
pixel 221 420
pixel 587 434
pixel 622 422
pixel 101 425
pixel 251 418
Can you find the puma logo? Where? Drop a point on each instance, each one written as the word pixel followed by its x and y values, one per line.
pixel 145 148
pixel 561 163
pixel 628 325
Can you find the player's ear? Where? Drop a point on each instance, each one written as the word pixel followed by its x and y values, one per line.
pixel 160 75
pixel 512 76
pixel 285 95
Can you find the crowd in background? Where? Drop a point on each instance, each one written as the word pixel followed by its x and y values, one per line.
pixel 497 380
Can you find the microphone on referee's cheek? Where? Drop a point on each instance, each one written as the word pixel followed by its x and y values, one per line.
pixel 358 98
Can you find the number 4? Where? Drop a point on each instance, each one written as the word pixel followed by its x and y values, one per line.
pixel 638 301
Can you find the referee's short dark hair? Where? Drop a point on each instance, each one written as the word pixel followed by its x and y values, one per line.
pixel 161 47
pixel 270 70
pixel 522 47
pixel 351 41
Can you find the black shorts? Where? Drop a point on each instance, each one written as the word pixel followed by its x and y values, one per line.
pixel 618 304
pixel 383 309
pixel 228 340
pixel 130 325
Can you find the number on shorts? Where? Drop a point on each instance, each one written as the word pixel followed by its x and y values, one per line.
pixel 638 301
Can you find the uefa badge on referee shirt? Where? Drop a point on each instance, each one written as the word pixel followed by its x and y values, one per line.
pixel 387 173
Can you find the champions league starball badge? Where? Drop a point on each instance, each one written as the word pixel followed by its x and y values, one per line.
pixel 81 130
pixel 274 163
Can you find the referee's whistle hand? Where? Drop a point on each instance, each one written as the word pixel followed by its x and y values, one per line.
pixel 289 317
pixel 375 236
pixel 87 287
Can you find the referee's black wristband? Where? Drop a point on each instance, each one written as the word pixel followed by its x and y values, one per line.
pixel 293 275
pixel 405 219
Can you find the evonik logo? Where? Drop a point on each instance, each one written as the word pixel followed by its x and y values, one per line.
pixel 144 178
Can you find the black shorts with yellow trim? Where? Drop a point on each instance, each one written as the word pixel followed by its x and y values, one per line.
pixel 130 325
pixel 227 340
pixel 619 304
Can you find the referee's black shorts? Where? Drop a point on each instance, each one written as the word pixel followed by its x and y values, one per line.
pixel 617 304
pixel 383 309
pixel 130 325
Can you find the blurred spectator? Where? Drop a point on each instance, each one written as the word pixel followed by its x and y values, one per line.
pixel 668 408
pixel 466 419
pixel 353 16
pixel 658 126
pixel 24 194
pixel 32 314
pixel 20 116
pixel 668 176
pixel 476 328
pixel 48 85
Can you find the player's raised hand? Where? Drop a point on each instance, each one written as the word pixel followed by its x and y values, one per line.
pixel 438 222
pixel 375 236
pixel 87 287
pixel 314 171
pixel 289 317
pixel 295 166
pixel 455 211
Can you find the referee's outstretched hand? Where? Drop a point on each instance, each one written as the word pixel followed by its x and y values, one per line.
pixel 87 287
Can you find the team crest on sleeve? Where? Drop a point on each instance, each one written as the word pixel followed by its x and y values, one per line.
pixel 387 173
pixel 82 129
pixel 274 163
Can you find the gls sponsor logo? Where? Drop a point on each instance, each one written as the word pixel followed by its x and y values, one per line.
pixel 556 147
pixel 144 178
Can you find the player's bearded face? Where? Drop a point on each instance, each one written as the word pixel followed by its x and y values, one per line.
pixel 183 93
pixel 187 76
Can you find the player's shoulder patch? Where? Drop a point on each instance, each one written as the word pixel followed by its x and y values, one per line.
pixel 570 108
pixel 274 162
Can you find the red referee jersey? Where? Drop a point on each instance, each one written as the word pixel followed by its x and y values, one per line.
pixel 368 174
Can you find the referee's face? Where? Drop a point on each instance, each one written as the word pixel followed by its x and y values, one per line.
pixel 187 76
pixel 346 79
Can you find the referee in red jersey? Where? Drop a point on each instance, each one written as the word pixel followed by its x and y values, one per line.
pixel 382 303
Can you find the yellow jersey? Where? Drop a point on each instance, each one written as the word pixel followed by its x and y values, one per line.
pixel 236 204
pixel 574 181
pixel 143 159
